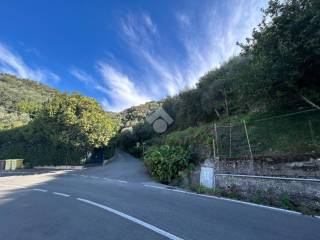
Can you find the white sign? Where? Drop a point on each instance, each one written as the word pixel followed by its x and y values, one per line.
pixel 207 176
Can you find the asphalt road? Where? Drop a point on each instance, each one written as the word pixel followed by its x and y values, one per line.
pixel 120 201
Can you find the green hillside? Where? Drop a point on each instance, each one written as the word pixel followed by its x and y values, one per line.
pixel 61 131
pixel 19 100
pixel 137 114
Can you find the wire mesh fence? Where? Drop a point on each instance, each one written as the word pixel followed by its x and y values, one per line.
pixel 289 134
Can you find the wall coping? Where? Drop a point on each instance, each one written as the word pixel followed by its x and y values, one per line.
pixel 269 177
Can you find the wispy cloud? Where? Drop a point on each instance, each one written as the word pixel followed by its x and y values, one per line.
pixel 122 90
pixel 82 76
pixel 89 81
pixel 149 23
pixel 212 40
pixel 141 36
pixel 208 40
pixel 119 90
pixel 11 62
pixel 183 19
pixel 166 62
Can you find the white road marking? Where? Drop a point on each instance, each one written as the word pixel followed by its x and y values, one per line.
pixel 122 181
pixel 39 190
pixel 152 186
pixel 133 219
pixel 94 177
pixel 225 199
pixel 61 194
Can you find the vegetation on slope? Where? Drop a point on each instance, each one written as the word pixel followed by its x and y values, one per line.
pixel 277 72
pixel 58 128
pixel 20 99
pixel 137 114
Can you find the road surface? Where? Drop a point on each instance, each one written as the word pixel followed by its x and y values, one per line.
pixel 120 201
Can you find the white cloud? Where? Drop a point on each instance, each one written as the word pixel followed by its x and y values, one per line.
pixel 116 86
pixel 121 89
pixel 218 36
pixel 149 23
pixel 11 62
pixel 208 42
pixel 82 76
pixel 163 69
pixel 183 19
pixel 88 80
pixel 140 36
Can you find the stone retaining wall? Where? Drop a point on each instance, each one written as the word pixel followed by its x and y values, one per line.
pixel 269 179
pixel 302 191
pixel 307 168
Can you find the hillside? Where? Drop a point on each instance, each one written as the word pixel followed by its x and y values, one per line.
pixel 19 98
pixel 61 131
pixel 137 114
pixel 262 103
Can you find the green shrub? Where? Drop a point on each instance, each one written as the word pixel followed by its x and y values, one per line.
pixel 165 162
pixel 287 203
pixel 199 139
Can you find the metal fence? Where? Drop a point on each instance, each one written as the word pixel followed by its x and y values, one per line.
pixel 289 134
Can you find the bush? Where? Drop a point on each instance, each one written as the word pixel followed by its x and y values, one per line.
pixel 165 162
pixel 199 139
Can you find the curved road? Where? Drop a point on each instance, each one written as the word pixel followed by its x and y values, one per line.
pixel 120 201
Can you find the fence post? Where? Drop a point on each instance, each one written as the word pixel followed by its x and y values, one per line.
pixel 216 135
pixel 311 132
pixel 230 141
pixel 245 128
pixel 213 147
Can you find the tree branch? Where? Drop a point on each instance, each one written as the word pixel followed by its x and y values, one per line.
pixel 309 102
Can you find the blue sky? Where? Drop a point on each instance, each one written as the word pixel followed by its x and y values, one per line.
pixel 122 53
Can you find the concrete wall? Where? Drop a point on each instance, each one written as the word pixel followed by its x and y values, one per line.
pixel 302 191
pixel 270 179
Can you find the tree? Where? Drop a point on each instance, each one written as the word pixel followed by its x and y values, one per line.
pixel 287 44
pixel 63 131
pixel 79 121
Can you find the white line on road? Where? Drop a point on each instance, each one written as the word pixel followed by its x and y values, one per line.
pixel 39 190
pixel 94 177
pixel 122 181
pixel 152 186
pixel 61 194
pixel 133 219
